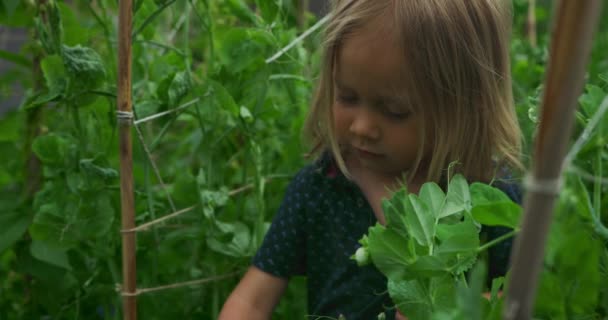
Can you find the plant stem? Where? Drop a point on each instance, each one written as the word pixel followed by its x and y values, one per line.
pixel 152 17
pixel 106 32
pixel 596 213
pixel 494 242
pixel 150 201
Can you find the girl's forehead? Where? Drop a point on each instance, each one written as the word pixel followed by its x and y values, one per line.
pixel 371 59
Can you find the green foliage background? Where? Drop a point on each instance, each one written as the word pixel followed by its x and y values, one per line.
pixel 229 152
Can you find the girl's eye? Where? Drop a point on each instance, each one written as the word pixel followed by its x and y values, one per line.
pixel 397 115
pixel 348 99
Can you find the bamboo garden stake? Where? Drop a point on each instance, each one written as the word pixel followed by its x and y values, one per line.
pixel 570 49
pixel 125 119
pixel 531 23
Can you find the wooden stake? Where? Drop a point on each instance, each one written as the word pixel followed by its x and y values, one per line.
pixel 531 23
pixel 126 160
pixel 570 48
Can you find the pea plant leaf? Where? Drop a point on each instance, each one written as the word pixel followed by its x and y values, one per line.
pixel 50 253
pixel 13 224
pixel 240 49
pixel 390 251
pixel 84 66
pixel 419 220
pixel 457 199
pixel 494 208
pixel 55 78
pixel 420 299
pixel 173 88
pixel 231 239
pixel 67 218
pixel 393 211
pixel 51 149
pixel 431 194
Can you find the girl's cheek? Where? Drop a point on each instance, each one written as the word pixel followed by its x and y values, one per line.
pixel 340 120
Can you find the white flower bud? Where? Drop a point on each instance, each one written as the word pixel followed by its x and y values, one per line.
pixel 362 256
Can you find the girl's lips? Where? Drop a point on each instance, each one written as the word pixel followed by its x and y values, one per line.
pixel 366 153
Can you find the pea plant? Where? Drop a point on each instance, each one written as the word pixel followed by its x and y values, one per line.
pixel 429 243
pixel 214 134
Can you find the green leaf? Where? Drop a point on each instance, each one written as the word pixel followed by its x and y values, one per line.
pixel 67 219
pixel 591 99
pixel 224 99
pixel 483 194
pixel 269 9
pixel 470 298
pixel 146 108
pixel 11 128
pixel 241 11
pixel 460 243
pixel 255 90
pixel 212 199
pixel 179 87
pixel 84 66
pixel 15 58
pixel 73 33
pixel 419 299
pixel 16 14
pixel 394 211
pixel 240 48
pixel 466 227
pixel 496 302
pixel 411 298
pixel 433 196
pixel 232 239
pixel 494 208
pixel 49 30
pixel 90 168
pixel 549 302
pixel 10 6
pixel 52 254
pixel 391 251
pixel 427 267
pixel 51 149
pixel 457 199
pixel 420 221
pixel 13 225
pixel 55 76
pixel 579 254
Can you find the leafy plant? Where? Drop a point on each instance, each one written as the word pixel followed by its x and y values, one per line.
pixel 431 240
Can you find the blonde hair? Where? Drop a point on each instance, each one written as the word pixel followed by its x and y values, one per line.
pixel 459 75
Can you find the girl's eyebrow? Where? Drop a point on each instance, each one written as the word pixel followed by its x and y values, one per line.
pixel 381 98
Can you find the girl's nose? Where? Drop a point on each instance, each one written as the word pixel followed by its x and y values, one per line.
pixel 364 126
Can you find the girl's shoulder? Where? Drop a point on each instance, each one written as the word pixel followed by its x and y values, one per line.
pixel 511 186
pixel 317 173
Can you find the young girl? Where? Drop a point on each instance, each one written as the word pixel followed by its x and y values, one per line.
pixel 407 87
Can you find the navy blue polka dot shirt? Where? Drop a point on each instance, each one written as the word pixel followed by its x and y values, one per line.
pixel 316 230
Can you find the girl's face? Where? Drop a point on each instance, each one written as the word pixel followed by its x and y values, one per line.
pixel 372 119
